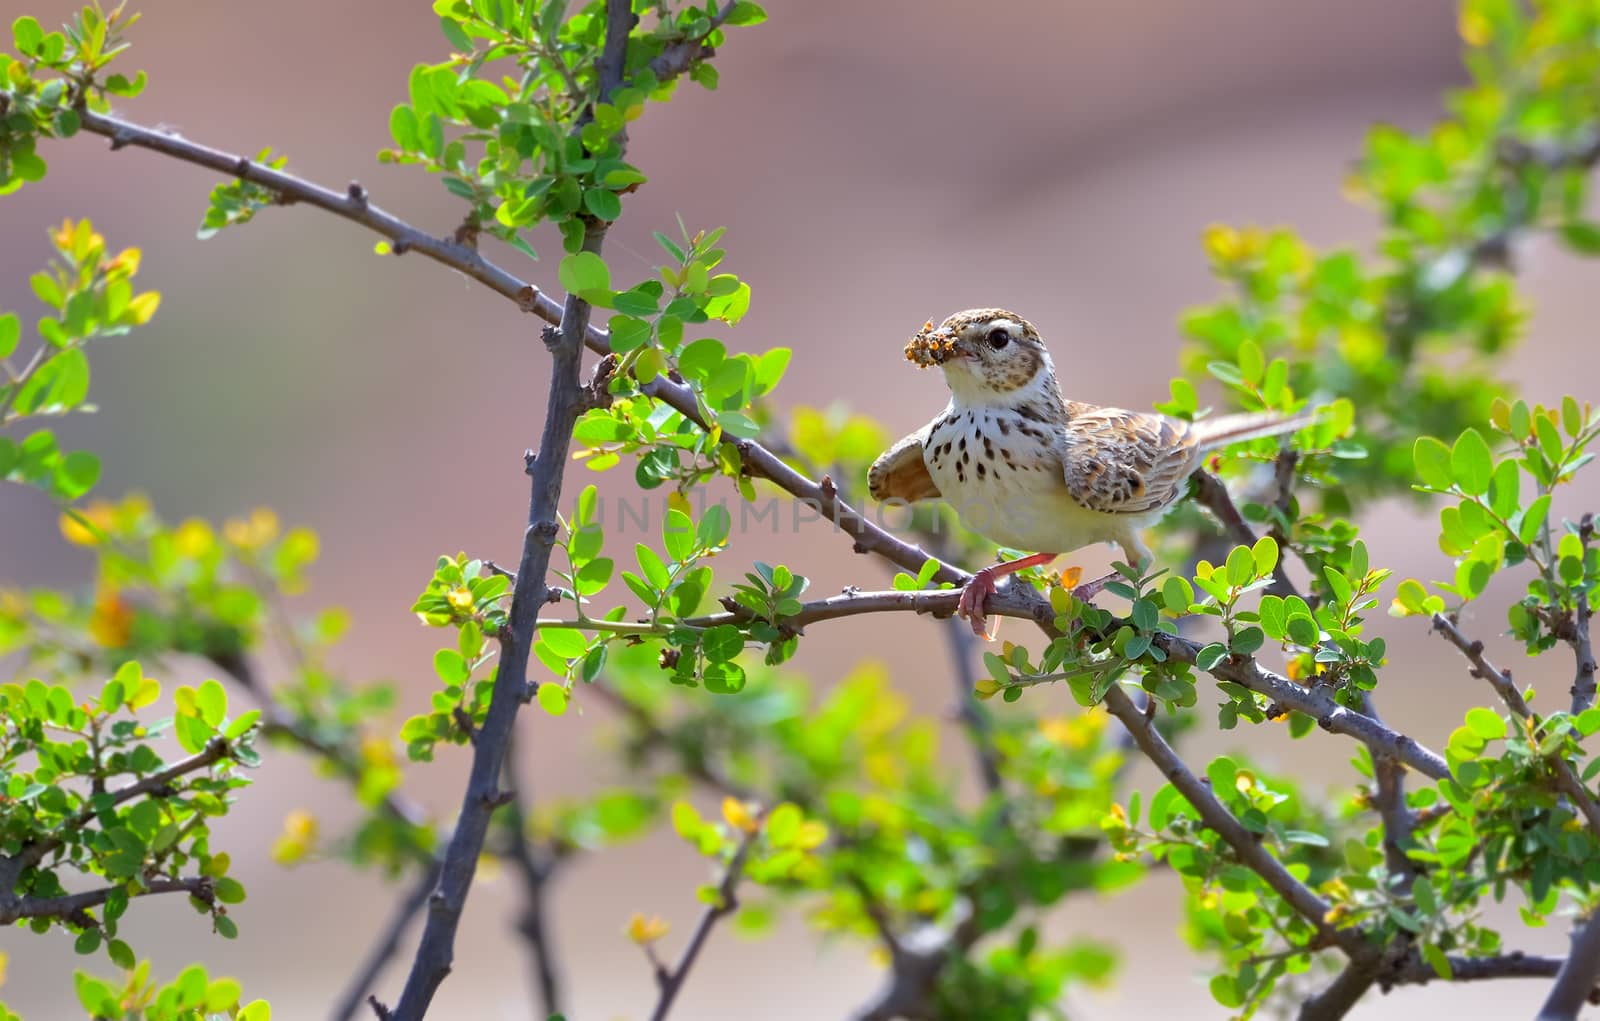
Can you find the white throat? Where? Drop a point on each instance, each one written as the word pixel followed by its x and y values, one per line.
pixel 969 390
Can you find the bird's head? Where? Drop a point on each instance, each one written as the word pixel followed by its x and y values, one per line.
pixel 987 354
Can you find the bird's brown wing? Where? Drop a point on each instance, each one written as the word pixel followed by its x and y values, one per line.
pixel 901 474
pixel 1125 462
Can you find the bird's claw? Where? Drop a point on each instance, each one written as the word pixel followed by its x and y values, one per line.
pixel 973 597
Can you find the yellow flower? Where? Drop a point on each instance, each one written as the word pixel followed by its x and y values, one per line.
pixel 193 538
pixel 739 815
pixel 644 931
pixel 294 843
pixel 460 600
pixel 111 622
pixel 260 529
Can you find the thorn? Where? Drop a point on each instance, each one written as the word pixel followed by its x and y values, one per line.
pixel 242 167
pixel 545 531
pixel 529 459
pixel 401 246
pixel 498 798
pixel 378 1008
pixel 357 195
pixel 120 139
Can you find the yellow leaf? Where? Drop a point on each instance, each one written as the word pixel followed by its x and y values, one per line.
pixel 142 308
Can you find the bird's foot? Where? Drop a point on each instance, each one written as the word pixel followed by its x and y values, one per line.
pixel 970 606
pixel 1089 589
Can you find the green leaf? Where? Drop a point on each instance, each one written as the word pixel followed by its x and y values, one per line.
pixel 1471 463
pixel 714 526
pixel 212 701
pixel 1582 237
pixel 1241 567
pixel 1248 640
pixel 602 203
pixel 27 34
pixel 552 699
pixel 628 333
pixel 722 643
pixel 1208 657
pixel 403 128
pixel 677 535
pixel 76 474
pixel 783 825
pixel 1265 554
pixel 724 678
pixel 1486 723
pixel 451 667
pixel 1432 460
pixel 10 333
pixel 568 643
pixel 584 273
pixel 256 1010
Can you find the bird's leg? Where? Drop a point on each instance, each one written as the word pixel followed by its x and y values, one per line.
pixel 982 586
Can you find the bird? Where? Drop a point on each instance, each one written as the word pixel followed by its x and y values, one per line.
pixel 1031 470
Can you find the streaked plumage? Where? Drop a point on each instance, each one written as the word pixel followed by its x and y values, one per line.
pixel 1031 470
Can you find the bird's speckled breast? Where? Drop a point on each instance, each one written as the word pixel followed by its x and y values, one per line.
pixel 998 469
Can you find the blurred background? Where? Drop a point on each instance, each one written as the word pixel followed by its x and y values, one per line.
pixel 877 164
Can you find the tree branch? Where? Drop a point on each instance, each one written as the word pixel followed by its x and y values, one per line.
pixel 1575 982
pixel 1583 684
pixel 565 403
pixel 71 904
pixel 366 977
pixel 672 981
pixel 1566 782
pixel 1246 845
pixel 535 869
pixel 1213 495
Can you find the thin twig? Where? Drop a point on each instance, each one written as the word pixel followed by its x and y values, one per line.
pixel 1212 494
pixel 33 853
pixel 1566 782
pixel 1246 845
pixel 671 981
pixel 71 904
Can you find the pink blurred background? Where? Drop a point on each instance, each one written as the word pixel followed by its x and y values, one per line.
pixel 877 164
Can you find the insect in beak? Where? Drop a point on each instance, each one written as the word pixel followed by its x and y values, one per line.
pixel 932 347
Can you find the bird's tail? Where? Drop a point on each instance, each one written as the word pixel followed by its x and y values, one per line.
pixel 1251 425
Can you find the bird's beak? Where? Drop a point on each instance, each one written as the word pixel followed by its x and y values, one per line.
pixel 933 347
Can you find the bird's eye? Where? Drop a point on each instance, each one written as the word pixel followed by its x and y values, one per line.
pixel 999 337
